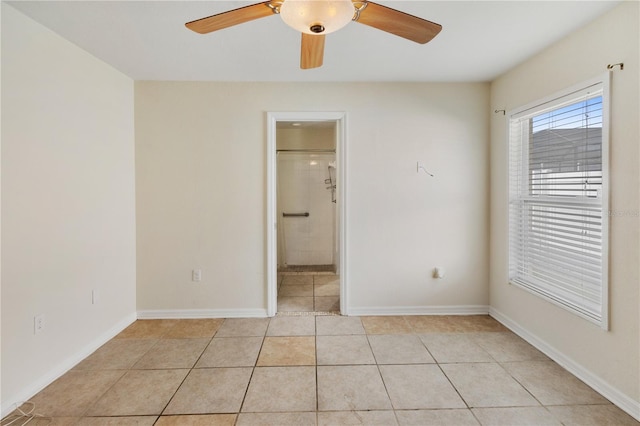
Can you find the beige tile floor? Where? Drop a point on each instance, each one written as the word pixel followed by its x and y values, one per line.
pixel 321 370
pixel 308 292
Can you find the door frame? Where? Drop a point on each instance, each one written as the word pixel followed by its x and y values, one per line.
pixel 273 118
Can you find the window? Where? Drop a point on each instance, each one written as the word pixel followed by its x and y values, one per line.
pixel 558 201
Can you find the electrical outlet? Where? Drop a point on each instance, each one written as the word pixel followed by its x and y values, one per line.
pixel 196 275
pixel 38 324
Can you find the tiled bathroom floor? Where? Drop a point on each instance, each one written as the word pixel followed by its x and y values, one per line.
pixel 308 292
pixel 321 370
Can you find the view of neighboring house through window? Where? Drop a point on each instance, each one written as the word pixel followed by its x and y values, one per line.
pixel 558 200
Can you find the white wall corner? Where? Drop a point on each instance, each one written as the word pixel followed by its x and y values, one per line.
pixel 11 402
pixel 618 398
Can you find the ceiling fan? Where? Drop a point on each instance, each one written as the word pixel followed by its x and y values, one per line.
pixel 316 18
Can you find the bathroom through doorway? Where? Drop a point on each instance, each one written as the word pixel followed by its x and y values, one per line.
pixel 306 196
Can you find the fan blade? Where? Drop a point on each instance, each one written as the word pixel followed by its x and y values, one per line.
pixel 230 18
pixel 398 23
pixel 312 51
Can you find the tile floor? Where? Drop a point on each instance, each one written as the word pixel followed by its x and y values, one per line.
pixel 309 292
pixel 321 370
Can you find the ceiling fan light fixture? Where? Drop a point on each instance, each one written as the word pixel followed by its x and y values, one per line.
pixel 317 16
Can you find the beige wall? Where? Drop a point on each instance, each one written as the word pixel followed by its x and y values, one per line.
pixel 201 193
pixel 68 221
pixel 610 358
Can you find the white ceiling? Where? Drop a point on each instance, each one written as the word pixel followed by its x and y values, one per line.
pixel 147 40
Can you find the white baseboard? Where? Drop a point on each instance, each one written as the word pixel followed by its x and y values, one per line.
pixel 421 310
pixel 623 401
pixel 201 313
pixel 9 403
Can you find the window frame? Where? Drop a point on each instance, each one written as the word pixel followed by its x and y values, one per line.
pixel 553 102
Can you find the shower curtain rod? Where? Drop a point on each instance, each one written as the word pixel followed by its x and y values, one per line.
pixel 333 151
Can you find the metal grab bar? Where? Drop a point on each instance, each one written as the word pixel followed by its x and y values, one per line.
pixel 305 214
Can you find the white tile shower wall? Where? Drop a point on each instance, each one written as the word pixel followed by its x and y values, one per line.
pixel 302 188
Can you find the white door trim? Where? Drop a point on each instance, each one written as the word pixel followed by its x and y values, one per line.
pixel 272 220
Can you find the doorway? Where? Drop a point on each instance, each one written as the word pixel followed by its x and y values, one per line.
pixel 306 161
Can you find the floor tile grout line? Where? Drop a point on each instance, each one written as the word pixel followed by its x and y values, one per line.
pixel 475 416
pixel 175 392
pixel 89 406
pixel 313 296
pixel 193 367
pixel 386 389
pixel 315 333
pixel 253 370
pixel 315 338
pixel 449 380
pixel 127 370
pixel 521 384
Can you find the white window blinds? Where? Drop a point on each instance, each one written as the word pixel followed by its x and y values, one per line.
pixel 558 201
